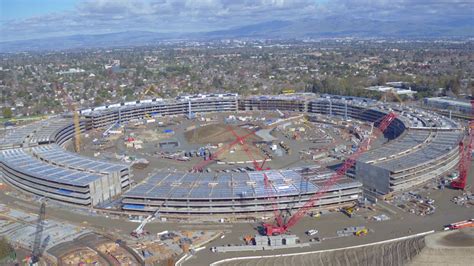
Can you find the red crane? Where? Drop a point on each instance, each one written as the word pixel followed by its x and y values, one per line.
pixel 271 229
pixel 268 185
pixel 465 155
pixel 215 155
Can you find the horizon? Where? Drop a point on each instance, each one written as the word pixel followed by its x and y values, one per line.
pixel 31 19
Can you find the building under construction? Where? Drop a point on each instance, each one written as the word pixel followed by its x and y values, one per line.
pixel 38 163
pixel 422 146
pixel 237 194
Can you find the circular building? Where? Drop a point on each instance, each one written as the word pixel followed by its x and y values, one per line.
pixel 420 146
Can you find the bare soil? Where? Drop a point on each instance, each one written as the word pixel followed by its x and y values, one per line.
pixel 217 133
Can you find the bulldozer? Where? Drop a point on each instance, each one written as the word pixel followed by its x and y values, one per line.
pixel 362 232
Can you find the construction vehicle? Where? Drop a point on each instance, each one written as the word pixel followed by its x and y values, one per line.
pixel 285 147
pixel 282 115
pixel 140 231
pixel 362 232
pixel 280 228
pixel 349 211
pixel 248 239
pixel 460 225
pixel 73 108
pixel 266 180
pixel 37 250
pixel 287 91
pixel 151 89
pixel 465 156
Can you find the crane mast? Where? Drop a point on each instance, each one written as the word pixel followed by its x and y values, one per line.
pixel 37 249
pixel 72 108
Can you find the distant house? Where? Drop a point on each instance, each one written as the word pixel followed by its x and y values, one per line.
pixel 71 71
pixel 398 91
pixel 461 106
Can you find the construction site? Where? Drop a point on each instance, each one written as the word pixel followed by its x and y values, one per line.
pixel 273 163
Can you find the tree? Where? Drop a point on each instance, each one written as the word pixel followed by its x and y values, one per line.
pixel 5 248
pixel 7 112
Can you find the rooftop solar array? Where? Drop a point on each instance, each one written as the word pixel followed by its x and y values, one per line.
pixel 35 133
pixel 27 164
pixel 100 110
pixel 224 186
pixel 443 142
pixel 55 154
pixel 411 139
pixel 15 137
pixel 47 130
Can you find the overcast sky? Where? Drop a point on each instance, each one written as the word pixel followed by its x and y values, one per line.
pixel 27 19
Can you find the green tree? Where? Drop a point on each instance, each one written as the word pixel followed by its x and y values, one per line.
pixel 7 112
pixel 5 248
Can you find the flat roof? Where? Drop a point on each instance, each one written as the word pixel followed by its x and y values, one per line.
pixel 228 185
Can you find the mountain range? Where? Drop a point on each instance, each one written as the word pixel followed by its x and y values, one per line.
pixel 276 29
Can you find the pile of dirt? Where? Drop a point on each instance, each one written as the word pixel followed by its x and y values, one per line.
pixel 216 133
pixel 443 248
pixel 447 248
pixel 389 253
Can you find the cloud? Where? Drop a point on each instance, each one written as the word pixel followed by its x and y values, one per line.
pixel 100 16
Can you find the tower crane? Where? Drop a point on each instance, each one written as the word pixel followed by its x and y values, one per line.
pixel 73 108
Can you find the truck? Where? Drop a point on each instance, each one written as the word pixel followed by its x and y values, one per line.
pixel 460 225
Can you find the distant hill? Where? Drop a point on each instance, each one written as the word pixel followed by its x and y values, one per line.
pixel 277 29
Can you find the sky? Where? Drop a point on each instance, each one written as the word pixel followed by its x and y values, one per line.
pixel 30 19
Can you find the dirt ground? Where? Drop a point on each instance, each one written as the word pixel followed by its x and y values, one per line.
pixel 216 133
pixel 447 248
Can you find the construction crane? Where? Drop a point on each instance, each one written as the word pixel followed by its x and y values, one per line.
pixel 139 231
pixel 465 156
pixel 271 229
pixel 280 113
pixel 394 94
pixel 268 186
pixel 72 108
pixel 239 139
pixel 37 248
pixel 151 89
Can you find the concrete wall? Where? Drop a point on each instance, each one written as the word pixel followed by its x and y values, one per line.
pixel 373 177
pixel 105 188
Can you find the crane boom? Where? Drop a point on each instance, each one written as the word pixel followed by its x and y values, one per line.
pixel 36 252
pixel 72 108
pixel 268 185
pixel 201 165
pixel 465 155
pixel 271 229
